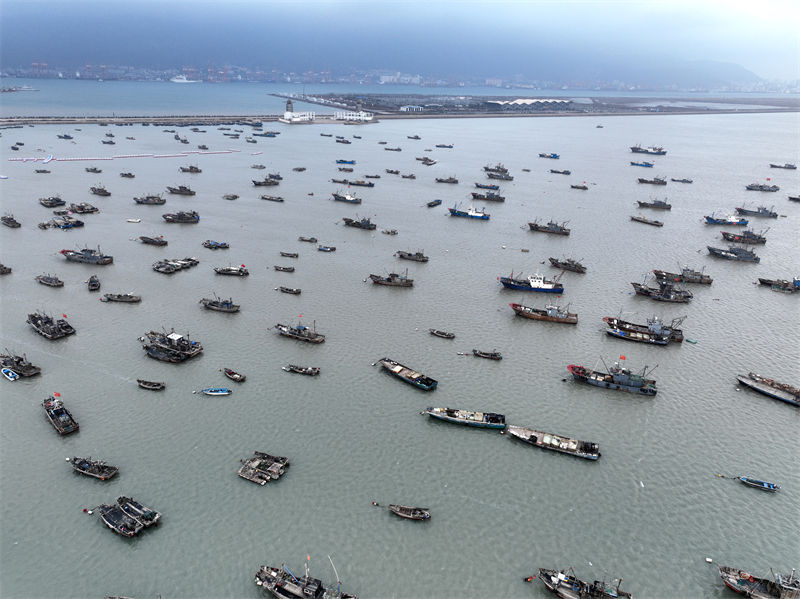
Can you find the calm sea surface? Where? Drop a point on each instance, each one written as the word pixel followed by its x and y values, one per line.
pixel 650 510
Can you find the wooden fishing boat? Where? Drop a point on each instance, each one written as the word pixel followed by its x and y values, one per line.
pixel 59 416
pixel 568 264
pixel 283 268
pixel 687 275
pixel 308 239
pixel 326 248
pixel 433 203
pixel 127 298
pixel 617 378
pixel 118 521
pixel 759 484
pixel 281 583
pixel 782 587
pixel 771 388
pixel 550 313
pixel 263 468
pixel 290 290
pixel 289 254
pixel 410 513
pixel 468 417
pixel 93 468
pixel 560 443
pixel 442 334
pixel 300 332
pixel 151 385
pixel 308 370
pixel 489 355
pixel 412 377
pixel 654 328
pixel 647 221
pixel 234 376
pixel 565 585
pixel 144 515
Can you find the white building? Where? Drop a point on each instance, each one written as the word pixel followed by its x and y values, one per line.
pixel 410 108
pixel 351 116
pixel 290 117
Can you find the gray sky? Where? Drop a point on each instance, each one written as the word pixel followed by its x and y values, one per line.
pixel 437 36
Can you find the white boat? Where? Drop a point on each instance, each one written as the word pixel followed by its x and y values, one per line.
pixel 182 79
pixel 134 220
pixel 10 374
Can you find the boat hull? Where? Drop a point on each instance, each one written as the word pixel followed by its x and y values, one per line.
pixel 765 389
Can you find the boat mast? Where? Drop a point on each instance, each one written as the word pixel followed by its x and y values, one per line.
pixel 339 582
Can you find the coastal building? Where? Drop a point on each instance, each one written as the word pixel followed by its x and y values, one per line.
pixel 411 108
pixel 354 116
pixel 290 117
pixel 528 104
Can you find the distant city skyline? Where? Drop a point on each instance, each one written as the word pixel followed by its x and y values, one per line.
pixel 536 40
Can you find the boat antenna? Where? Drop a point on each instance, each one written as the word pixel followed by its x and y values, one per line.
pixel 338 581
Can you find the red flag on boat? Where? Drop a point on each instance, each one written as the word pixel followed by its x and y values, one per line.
pixel 768 179
pixel 57 394
pixel 242 265
pixel 63 316
pixel 301 316
pixel 622 357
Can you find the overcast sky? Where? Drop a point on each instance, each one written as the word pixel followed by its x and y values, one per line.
pixel 432 37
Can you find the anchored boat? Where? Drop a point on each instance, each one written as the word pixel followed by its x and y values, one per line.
pixel 410 513
pixel 93 468
pixel 617 378
pixel 550 313
pixel 534 282
pixel 566 585
pixel 582 449
pixel 782 587
pixel 263 468
pixel 771 388
pixel 59 416
pixel 468 417
pixel 300 332
pixel 412 377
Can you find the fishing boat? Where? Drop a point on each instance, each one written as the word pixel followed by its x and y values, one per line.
pixel 281 583
pixel 758 211
pixel 415 257
pixel 761 187
pixel 181 190
pixel 219 305
pixel 118 521
pixel 656 151
pixel 144 515
pixel 190 169
pixel 346 197
pixel 550 313
pixel 451 180
pixel 83 208
pixel 392 171
pixel 782 587
pixel 87 256
pixel 787 166
pixel 230 196
pixel 489 196
pixel 170 347
pixel 442 334
pixel 49 280
pixel 9 221
pixel 682 180
pixel 283 268
pixel 552 155
pixel 771 388
pixel 308 239
pixel 433 203
pixel 48 327
pixel 686 275
pixel 488 355
pixel 468 417
pixel 734 253
pixel 182 217
pixel 500 176
pixel 99 190
pixel 647 221
pixel 583 449
pixel 363 223
pixel 393 279
pixel 93 283
pixel 59 416
pixel 272 198
pixel 654 328
pixel 617 378
pixel 267 182
pixel 582 186
pixel 326 248
pixel 410 513
pixel 492 186
pixel 558 172
pixel 154 200
pixel 290 290
pixel 307 370
pixel 151 385
pixel 747 237
pixel 263 468
pixel 215 245
pixel 665 292
pixel 412 377
pixel 471 212
pixel 534 282
pixel 551 227
pixel 655 204
pixel 93 468
pixel 236 271
pixel 497 168
pixel 20 365
pixel 127 298
pixel 52 202
pixel 360 183
pixel 289 254
pixel 10 374
pixel 213 391
pixel 300 332
pixel 565 585
pixel 759 484
pixel 340 161
pixel 568 264
pixel 643 163
pixel 653 181
pixel 233 375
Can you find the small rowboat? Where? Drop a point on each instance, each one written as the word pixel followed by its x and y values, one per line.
pixel 309 370
pixel 489 355
pixel 292 290
pixel 283 268
pixel 10 374
pixel 151 385
pixel 215 391
pixel 233 375
pixel 326 248
pixel 410 513
pixel 442 334
pixel 759 484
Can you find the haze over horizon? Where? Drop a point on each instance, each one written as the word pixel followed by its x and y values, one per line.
pixel 542 40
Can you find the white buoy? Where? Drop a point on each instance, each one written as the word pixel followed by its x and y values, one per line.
pixel 641 483
pixel 709 560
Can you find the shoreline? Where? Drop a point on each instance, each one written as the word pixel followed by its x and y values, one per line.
pixel 254 119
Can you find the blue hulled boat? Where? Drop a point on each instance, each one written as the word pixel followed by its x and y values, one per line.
pixel 728 220
pixel 345 162
pixel 771 388
pixel 535 282
pixel 759 484
pixel 470 212
pixel 645 164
